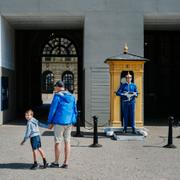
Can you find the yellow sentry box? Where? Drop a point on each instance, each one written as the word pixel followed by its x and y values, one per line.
pixel 118 65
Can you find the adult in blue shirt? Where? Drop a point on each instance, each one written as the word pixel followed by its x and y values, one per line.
pixel 62 116
pixel 128 92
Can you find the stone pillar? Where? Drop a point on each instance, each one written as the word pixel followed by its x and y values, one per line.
pixel 115 104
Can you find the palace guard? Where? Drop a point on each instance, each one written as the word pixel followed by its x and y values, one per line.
pixel 128 91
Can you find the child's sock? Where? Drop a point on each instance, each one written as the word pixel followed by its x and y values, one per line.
pixel 35 162
pixel 44 161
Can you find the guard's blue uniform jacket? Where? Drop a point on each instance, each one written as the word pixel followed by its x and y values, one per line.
pixel 127 104
pixel 63 110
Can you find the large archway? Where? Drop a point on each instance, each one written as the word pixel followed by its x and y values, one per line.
pixel 33 59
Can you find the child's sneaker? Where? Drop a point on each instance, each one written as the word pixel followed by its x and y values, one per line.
pixel 34 166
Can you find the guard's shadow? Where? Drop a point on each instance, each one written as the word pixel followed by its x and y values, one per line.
pixel 15 166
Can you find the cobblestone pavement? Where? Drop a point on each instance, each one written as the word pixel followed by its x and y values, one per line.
pixel 115 160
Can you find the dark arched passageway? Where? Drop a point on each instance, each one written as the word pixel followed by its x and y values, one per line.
pixel 29 46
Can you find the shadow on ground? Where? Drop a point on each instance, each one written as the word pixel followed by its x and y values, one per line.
pixel 73 133
pixel 15 166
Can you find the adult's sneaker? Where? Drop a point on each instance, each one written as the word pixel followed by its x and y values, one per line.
pixel 65 166
pixel 54 165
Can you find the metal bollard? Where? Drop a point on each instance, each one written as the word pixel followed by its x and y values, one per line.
pixel 170 134
pixel 78 132
pixel 95 138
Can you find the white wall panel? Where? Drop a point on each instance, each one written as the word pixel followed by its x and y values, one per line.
pixel 100 94
pixel 7 45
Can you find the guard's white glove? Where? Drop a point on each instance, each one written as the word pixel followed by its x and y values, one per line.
pixel 125 93
pixel 135 93
pixel 129 96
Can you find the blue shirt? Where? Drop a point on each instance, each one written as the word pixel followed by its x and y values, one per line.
pixel 63 110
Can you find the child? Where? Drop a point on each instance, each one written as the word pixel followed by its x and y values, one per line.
pixel 32 132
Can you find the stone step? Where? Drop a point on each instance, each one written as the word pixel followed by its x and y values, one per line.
pixel 127 136
pixel 118 134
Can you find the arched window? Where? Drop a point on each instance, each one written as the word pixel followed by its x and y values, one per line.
pixel 68 79
pixel 47 81
pixel 59 46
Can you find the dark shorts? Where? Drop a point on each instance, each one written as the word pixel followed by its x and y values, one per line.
pixel 35 142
